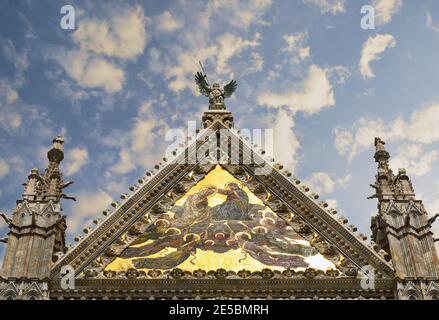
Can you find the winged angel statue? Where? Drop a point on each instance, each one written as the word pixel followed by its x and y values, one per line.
pixel 215 93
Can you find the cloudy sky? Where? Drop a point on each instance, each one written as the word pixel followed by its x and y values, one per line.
pixel 116 83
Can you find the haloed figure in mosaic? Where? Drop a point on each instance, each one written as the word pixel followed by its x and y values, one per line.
pixel 233 224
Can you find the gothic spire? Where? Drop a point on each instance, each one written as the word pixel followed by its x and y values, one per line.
pixel 402 222
pixel 37 219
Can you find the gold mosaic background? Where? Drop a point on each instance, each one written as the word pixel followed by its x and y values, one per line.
pixel 219 223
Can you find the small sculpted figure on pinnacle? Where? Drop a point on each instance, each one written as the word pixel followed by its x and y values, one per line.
pixel 215 93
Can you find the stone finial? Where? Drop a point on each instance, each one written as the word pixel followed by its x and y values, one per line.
pixel 379 144
pixel 56 154
pixel 382 157
pixel 381 154
pixel 58 142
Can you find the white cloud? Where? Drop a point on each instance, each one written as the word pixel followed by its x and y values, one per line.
pixel 89 204
pixel 435 230
pixel 256 63
pixel 344 181
pixel 4 168
pixel 9 117
pixel 325 183
pixel 166 22
pixel 332 203
pixel 230 45
pixel 76 159
pixel 286 143
pixel 429 23
pixel 373 46
pixel 2 225
pixel 124 36
pixel 11 106
pixel 343 141
pixel 292 40
pixel 92 72
pixel 414 160
pixel 315 94
pixel 423 126
pixel 19 60
pixel 433 208
pixel 385 9
pixel 66 89
pixel 329 6
pixel 118 186
pixel 420 128
pixel 239 13
pixel 8 94
pixel 321 182
pixel 227 45
pixel 145 145
pixel 124 164
pixel 295 45
pixel 17 163
pixel 204 39
pixel 340 73
pixel 146 106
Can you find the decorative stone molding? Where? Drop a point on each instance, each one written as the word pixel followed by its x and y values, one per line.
pixel 432 291
pixel 223 116
pixel 23 290
pixel 177 273
pixel 206 288
pixel 409 291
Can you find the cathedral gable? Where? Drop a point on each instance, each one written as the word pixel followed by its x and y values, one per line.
pixel 220 220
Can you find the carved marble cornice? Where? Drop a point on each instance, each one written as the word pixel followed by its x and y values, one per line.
pixel 232 288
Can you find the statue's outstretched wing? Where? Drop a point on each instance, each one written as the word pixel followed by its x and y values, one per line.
pixel 200 80
pixel 230 88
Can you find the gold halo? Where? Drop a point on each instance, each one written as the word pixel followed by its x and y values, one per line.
pixel 243 233
pixel 162 220
pixel 218 233
pixel 196 236
pixel 268 214
pixel 266 221
pixel 174 229
pixel 258 229
pixel 241 186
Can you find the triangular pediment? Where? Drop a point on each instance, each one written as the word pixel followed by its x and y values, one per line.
pixel 291 231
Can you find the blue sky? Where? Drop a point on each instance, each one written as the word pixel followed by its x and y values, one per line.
pixel 114 85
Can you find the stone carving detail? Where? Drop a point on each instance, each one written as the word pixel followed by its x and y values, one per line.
pixel 266 273
pixel 223 116
pixel 23 290
pixel 215 93
pixel 409 291
pixel 402 222
pixel 432 291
